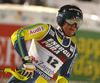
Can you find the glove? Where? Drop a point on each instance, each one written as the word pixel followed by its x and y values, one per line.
pixel 28 67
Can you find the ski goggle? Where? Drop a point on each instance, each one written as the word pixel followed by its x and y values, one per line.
pixel 71 19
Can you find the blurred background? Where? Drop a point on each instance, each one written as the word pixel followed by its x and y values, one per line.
pixel 15 14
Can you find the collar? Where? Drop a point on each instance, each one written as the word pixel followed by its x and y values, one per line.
pixel 61 32
pixel 65 39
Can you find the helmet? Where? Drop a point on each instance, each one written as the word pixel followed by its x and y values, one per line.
pixel 70 14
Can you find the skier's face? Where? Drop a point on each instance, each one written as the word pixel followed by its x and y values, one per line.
pixel 69 29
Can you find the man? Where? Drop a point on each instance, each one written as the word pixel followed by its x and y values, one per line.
pixel 51 49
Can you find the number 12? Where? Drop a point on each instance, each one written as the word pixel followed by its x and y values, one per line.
pixel 52 61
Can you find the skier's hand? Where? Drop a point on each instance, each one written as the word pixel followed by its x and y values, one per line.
pixel 28 67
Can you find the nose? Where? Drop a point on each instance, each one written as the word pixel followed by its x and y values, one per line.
pixel 74 25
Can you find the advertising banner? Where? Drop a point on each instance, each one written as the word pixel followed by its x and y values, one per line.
pixel 8 56
pixel 87 65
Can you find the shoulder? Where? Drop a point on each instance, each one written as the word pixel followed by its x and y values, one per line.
pixel 45 26
pixel 41 24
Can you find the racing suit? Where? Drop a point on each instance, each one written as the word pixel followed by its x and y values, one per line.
pixel 50 51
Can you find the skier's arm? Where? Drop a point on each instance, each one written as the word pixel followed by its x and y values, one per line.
pixel 61 79
pixel 65 70
pixel 18 38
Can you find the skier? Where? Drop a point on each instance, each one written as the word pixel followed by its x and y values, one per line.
pixel 51 48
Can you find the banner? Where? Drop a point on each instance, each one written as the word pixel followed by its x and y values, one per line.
pixel 87 65
pixel 8 56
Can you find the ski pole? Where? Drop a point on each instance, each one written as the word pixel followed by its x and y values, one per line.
pixel 15 73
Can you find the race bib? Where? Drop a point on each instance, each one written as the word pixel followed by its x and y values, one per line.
pixel 44 60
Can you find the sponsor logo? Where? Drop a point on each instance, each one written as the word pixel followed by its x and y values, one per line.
pixel 60 15
pixel 56 48
pixel 36 30
pixel 44 75
pixel 75 10
pixel 71 65
pixel 42 65
pixel 51 33
pixel 34 60
pixel 72 48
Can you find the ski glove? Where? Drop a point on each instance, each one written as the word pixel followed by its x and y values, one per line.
pixel 28 67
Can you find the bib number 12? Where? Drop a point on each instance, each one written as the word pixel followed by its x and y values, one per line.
pixel 52 61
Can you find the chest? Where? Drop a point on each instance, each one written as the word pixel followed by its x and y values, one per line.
pixel 52 44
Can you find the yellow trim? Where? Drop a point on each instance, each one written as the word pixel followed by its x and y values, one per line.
pixel 41 80
pixel 61 79
pixel 14 37
pixel 59 39
pixel 19 38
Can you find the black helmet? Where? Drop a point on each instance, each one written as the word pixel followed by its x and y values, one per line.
pixel 70 14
